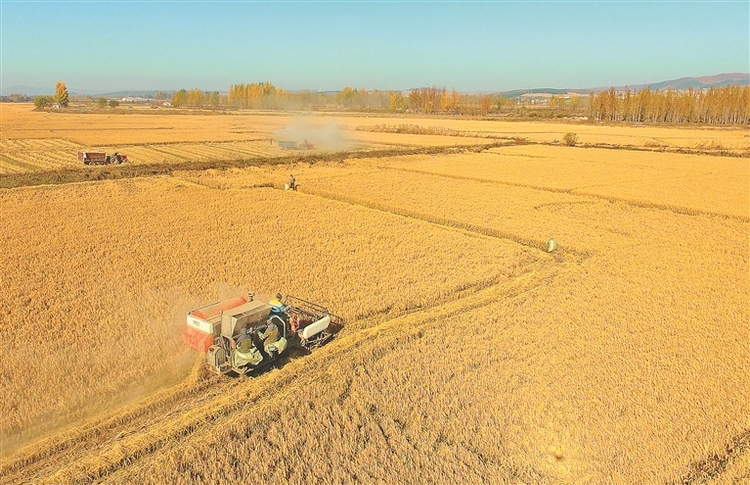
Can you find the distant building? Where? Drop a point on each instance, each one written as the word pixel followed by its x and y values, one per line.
pixel 535 98
pixel 136 99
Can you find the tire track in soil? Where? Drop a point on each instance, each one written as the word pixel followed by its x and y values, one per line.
pixel 48 453
pixel 560 255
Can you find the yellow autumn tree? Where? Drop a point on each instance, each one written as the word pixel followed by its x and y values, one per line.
pixel 61 94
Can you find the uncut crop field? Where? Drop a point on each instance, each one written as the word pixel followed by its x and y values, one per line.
pixel 681 181
pixel 21 121
pixel 470 353
pixel 656 306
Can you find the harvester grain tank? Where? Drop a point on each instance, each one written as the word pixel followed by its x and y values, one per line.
pixel 244 335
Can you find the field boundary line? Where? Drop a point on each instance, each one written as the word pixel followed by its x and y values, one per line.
pixel 408 129
pixel 681 210
pixel 201 142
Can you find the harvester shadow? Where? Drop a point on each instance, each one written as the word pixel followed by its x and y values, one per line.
pixel 291 355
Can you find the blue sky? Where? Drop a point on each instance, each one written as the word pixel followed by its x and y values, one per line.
pixel 104 46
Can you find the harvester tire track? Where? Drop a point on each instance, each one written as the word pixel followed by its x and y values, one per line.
pixel 273 385
pixel 48 452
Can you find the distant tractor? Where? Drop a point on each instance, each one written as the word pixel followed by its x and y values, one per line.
pixel 244 335
pixel 101 158
pixel 293 145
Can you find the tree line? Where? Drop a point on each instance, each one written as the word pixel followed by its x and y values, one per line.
pixel 721 105
pixel 727 105
pixel 198 99
pixel 264 95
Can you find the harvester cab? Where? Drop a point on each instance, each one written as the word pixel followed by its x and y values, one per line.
pixel 244 335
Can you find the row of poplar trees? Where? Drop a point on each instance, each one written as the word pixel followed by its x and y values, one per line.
pixel 427 100
pixel 257 95
pixel 727 105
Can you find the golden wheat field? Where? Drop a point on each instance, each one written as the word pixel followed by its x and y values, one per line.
pixel 470 354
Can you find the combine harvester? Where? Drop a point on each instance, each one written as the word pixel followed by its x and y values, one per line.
pixel 101 158
pixel 293 145
pixel 244 335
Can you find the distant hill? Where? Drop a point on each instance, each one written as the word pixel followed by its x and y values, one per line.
pixel 151 93
pixel 703 82
pixel 37 91
pixel 28 90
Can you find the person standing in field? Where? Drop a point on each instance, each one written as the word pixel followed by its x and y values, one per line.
pixel 292 182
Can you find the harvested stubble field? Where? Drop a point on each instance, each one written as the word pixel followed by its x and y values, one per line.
pixel 470 355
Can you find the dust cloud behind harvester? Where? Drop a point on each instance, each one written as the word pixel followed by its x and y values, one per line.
pixel 325 135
